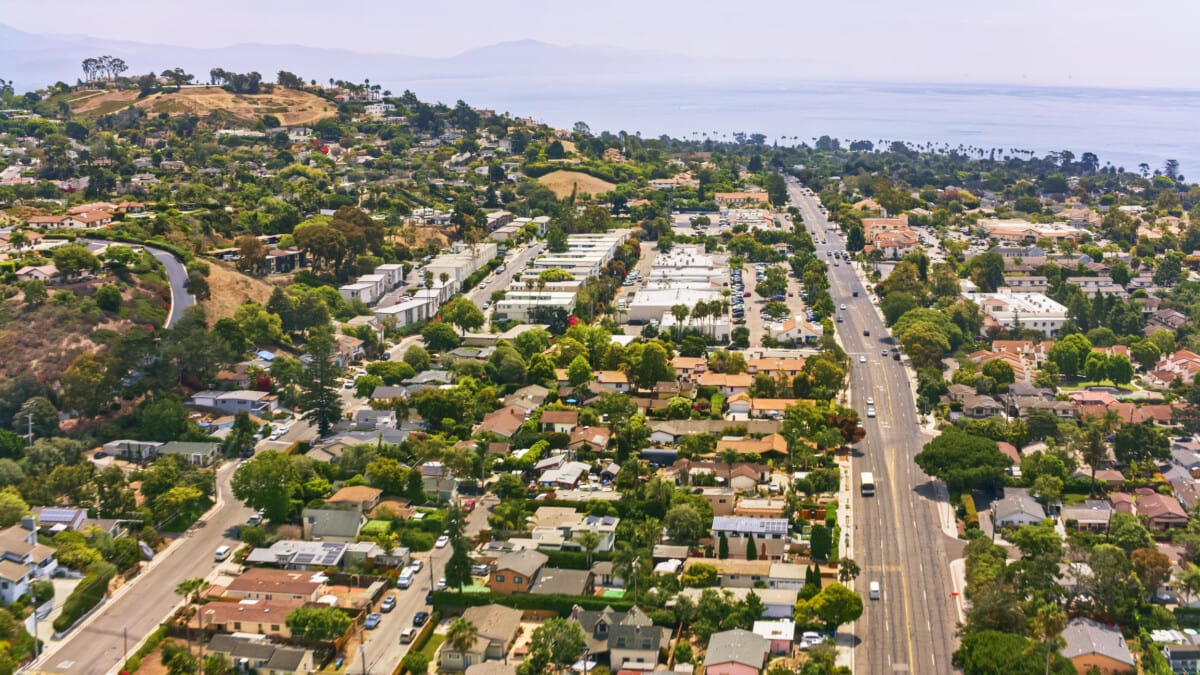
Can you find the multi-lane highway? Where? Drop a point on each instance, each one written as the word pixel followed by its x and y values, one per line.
pixel 898 539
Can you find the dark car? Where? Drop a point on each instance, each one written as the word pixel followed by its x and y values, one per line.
pixel 420 618
pixel 428 598
pixel 866 333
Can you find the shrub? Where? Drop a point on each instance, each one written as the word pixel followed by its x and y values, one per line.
pixel 86 595
pixel 42 591
pixel 972 516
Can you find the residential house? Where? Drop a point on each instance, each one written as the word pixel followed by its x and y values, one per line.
pixel 516 572
pixel 334 524
pixel 1017 508
pixel 261 656
pixel 240 400
pixel 769 535
pixel 262 617
pixel 773 446
pixel 134 451
pixel 617 380
pixel 592 439
pixel 528 398
pixel 198 453
pixel 721 499
pixel 778 603
pixel 553 581
pixel 1182 658
pixel 1160 511
pixel 566 476
pixel 727 384
pixel 736 572
pixel 630 638
pixel 496 628
pixel 369 418
pixel 788 576
pixel 23 560
pixel 46 273
pixel 260 583
pixel 977 406
pixel 55 519
pixel 668 432
pixel 736 652
pixel 689 367
pixel 503 422
pixel 1090 516
pixel 366 498
pixel 780 634
pixel 753 507
pixel 560 421
pixel 1094 647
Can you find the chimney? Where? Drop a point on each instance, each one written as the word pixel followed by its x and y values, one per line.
pixel 29 522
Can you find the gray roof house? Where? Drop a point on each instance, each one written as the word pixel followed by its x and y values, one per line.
pixel 337 525
pixel 496 627
pixel 1017 508
pixel 264 657
pixel 730 652
pixel 200 454
pixel 628 637
pixel 1092 644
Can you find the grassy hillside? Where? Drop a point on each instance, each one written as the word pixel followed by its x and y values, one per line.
pixel 290 106
pixel 562 182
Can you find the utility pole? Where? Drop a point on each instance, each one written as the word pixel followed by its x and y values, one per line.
pixel 29 422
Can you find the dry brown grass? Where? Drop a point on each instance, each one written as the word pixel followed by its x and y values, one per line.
pixel 562 182
pixel 230 289
pixel 290 106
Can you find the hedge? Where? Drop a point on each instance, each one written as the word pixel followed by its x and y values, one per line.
pixel 972 516
pixel 134 663
pixel 562 604
pixel 86 595
pixel 573 560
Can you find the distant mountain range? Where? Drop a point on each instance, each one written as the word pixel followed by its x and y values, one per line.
pixel 34 60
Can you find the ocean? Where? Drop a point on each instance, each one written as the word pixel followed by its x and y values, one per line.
pixel 1122 127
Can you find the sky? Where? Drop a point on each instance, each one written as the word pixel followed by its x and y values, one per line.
pixel 1085 42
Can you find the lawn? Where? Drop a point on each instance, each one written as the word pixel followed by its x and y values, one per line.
pixel 431 647
pixel 1084 385
pixel 374 527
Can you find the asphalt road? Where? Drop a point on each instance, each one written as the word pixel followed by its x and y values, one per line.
pixel 177 275
pixel 382 647
pixel 898 540
pixel 137 609
pixel 514 263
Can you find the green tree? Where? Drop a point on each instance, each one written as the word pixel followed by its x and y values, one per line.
pixel 1140 442
pixel 463 313
pixel 461 635
pixel 88 384
pixel 320 400
pixel 320 624
pixel 1000 371
pixel 73 259
pixel 440 336
pixel 12 507
pixel 458 567
pixel 589 541
pixel 684 524
pixel 39 412
pixel 836 605
pixel 559 642
pixel 268 482
pixel 1126 533
pixel 992 652
pixel 417 357
pixel 723 547
pixel 962 460
pixel 655 367
pixel 35 292
pixel 1069 353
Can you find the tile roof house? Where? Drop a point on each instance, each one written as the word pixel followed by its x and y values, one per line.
pixel 1090 644
pixel 528 398
pixel 736 652
pixel 594 439
pixel 496 628
pixel 728 385
pixel 561 421
pixel 260 583
pixel 1160 511
pixel 264 617
pixel 503 422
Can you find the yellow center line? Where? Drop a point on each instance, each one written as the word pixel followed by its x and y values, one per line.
pixel 896 517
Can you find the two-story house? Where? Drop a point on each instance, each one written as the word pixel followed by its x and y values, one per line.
pixel 515 572
pixel 630 638
pixel 23 560
pixel 496 628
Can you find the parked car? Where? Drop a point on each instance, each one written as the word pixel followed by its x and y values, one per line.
pixel 420 618
pixel 388 604
pixel 441 584
pixel 417 565
pixel 408 635
pixel 372 621
pixel 442 541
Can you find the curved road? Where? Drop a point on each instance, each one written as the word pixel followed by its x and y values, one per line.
pixel 898 539
pixel 177 275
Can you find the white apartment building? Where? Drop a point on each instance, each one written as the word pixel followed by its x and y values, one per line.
pixel 1032 311
pixel 517 304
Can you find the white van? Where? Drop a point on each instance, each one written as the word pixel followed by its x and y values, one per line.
pixel 222 553
pixel 873 590
pixel 406 578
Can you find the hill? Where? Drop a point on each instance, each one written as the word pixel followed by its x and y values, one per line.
pixel 290 106
pixel 230 289
pixel 562 182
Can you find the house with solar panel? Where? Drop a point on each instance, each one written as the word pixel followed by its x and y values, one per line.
pixel 770 535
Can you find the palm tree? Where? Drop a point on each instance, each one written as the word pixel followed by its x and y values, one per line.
pixel 627 564
pixel 680 313
pixel 730 457
pixel 589 540
pixel 461 635
pixel 189 589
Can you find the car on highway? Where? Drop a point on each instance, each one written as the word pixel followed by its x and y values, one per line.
pixel 870 412
pixel 884 352
pixel 870 400
pixel 843 307
pixel 388 604
pixel 866 333
pixel 442 541
pixel 408 635
pixel 862 359
pixel 372 621
pixel 420 618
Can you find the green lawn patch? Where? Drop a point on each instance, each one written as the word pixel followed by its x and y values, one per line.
pixel 1083 385
pixel 430 647
pixel 375 527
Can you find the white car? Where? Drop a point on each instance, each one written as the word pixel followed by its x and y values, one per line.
pixel 870 400
pixel 843 306
pixel 862 359
pixel 870 412
pixel 442 541
pixel 417 565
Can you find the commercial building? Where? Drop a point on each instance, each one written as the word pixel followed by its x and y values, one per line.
pixel 1031 311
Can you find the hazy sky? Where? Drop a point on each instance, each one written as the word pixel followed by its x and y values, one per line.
pixel 1087 42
